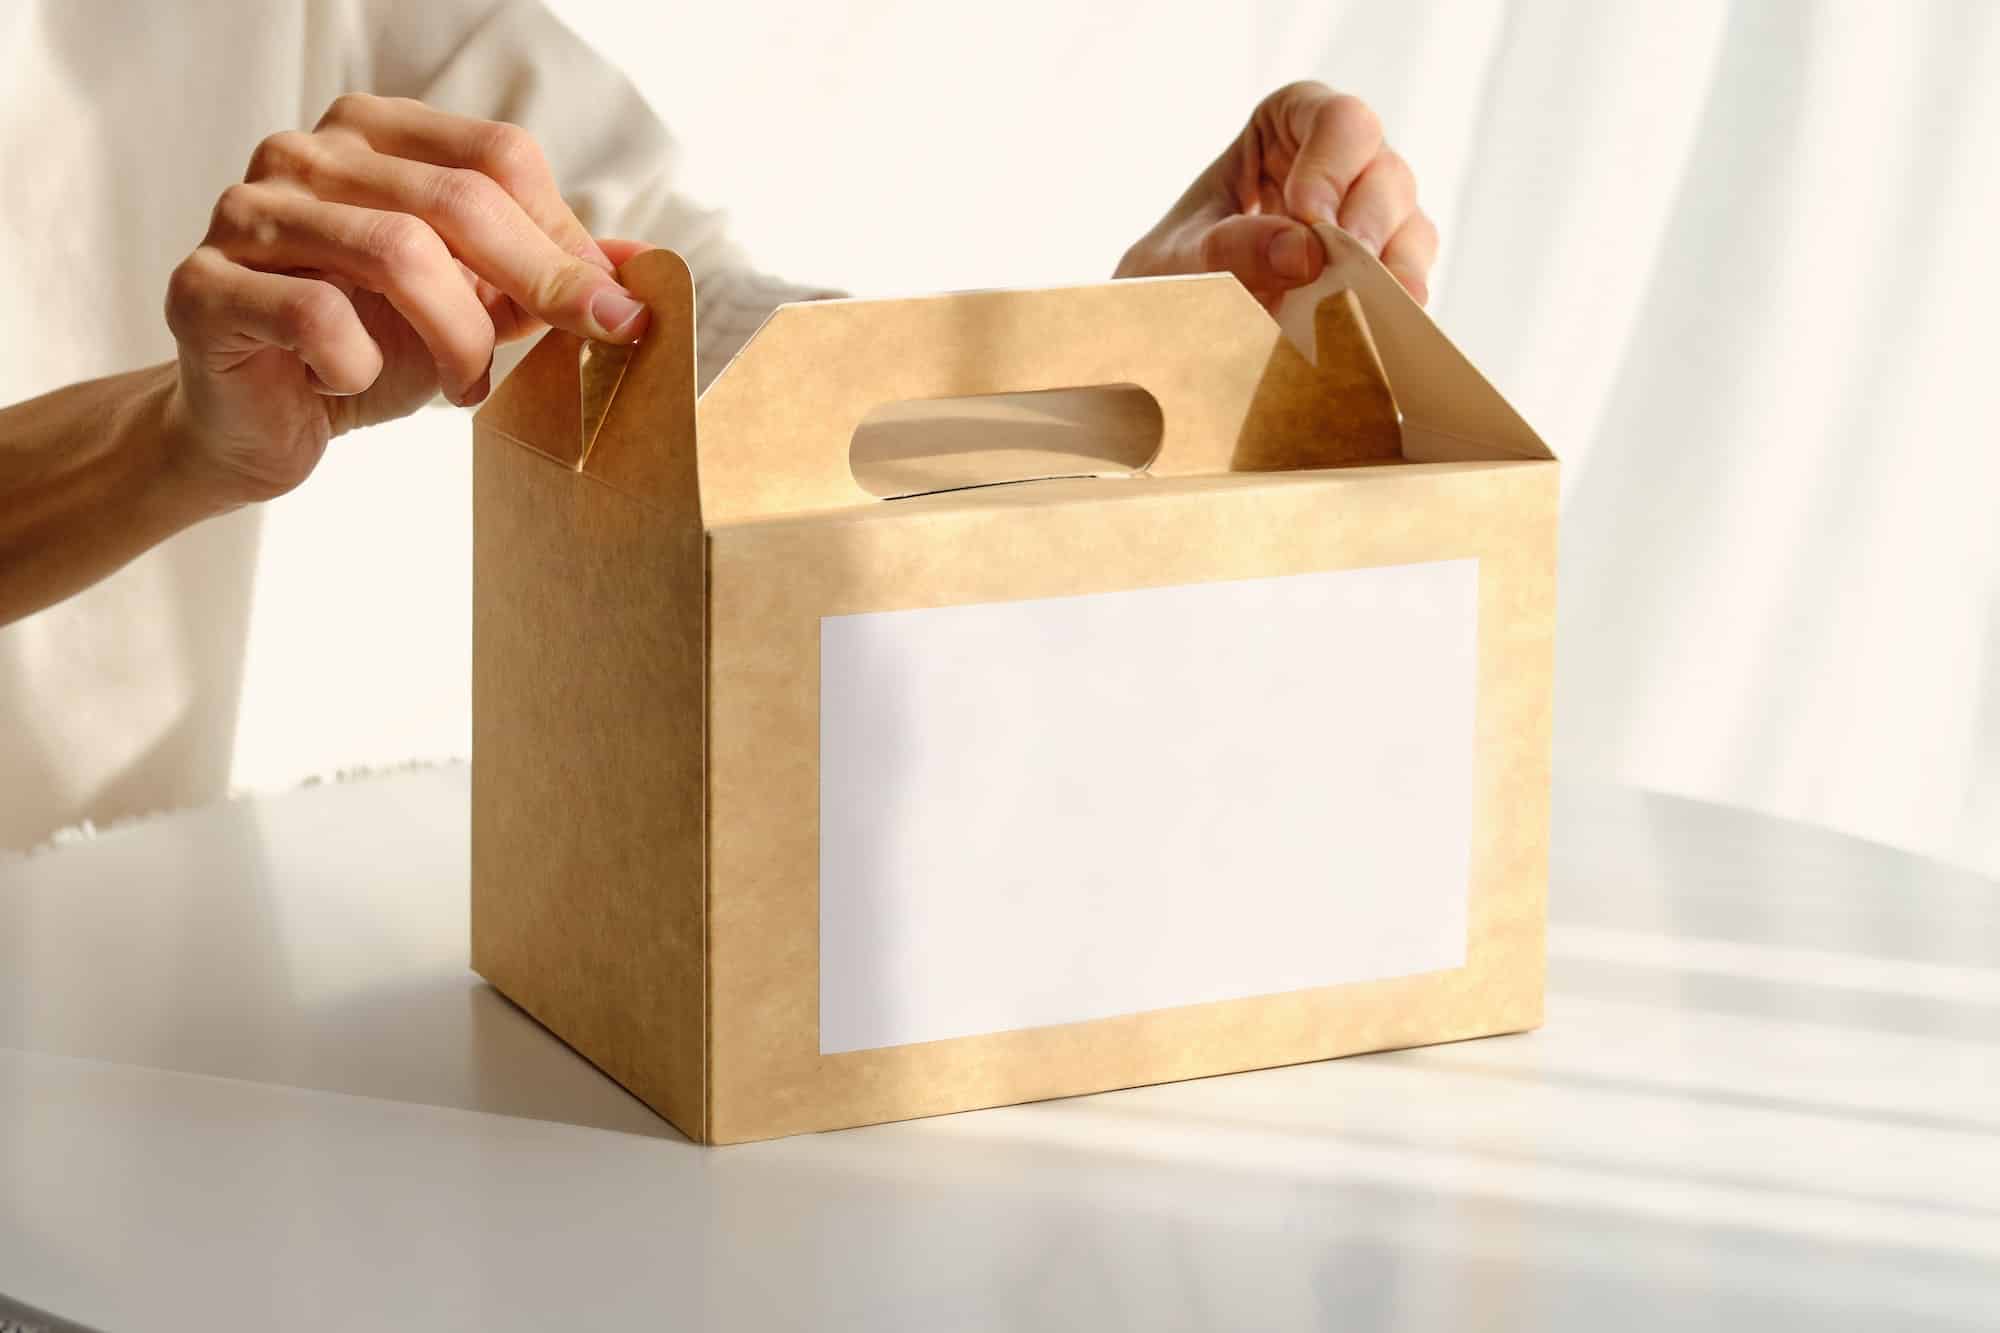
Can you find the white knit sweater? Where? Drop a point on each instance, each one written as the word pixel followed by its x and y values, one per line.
pixel 120 124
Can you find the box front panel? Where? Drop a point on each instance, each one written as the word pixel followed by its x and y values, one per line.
pixel 776 1058
pixel 1049 811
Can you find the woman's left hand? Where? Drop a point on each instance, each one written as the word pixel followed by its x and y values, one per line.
pixel 1309 154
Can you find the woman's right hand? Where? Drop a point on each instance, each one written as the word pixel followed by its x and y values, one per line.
pixel 362 268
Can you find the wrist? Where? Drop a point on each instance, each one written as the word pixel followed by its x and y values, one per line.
pixel 188 487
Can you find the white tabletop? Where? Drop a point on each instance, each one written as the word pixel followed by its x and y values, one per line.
pixel 246 1081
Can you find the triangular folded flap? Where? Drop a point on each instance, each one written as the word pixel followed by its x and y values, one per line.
pixel 1343 395
pixel 1450 412
pixel 600 371
pixel 537 404
pixel 645 445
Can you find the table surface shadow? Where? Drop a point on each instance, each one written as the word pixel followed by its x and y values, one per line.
pixel 246 1079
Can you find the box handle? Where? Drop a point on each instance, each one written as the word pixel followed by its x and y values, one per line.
pixel 1233 393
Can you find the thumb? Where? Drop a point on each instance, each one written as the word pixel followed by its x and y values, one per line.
pixel 1338 136
pixel 1269 254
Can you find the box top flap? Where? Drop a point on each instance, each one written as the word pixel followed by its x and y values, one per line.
pixel 537 405
pixel 1450 411
pixel 627 418
pixel 1232 394
pixel 826 387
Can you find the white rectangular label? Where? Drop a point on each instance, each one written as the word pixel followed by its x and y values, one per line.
pixel 1047 811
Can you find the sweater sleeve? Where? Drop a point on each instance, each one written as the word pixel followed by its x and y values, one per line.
pixel 613 160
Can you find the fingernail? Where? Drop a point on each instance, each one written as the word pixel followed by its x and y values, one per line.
pixel 596 258
pixel 1289 256
pixel 616 314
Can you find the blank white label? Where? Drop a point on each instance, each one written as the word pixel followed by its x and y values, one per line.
pixel 1049 811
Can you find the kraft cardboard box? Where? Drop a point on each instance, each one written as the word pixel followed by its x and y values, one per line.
pixel 1009 695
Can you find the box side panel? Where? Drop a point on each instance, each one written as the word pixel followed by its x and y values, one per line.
pixel 771 585
pixel 587 842
pixel 1517 638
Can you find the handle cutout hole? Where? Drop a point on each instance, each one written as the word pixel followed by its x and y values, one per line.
pixel 945 444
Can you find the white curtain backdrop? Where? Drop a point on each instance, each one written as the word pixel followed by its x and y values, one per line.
pixel 1736 261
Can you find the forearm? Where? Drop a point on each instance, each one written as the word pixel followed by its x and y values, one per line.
pixel 89 478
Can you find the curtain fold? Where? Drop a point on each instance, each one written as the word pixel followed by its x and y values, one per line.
pixel 1736 262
